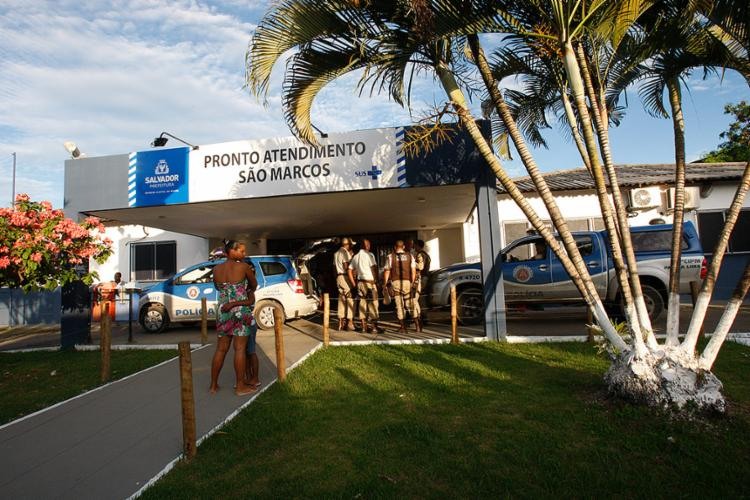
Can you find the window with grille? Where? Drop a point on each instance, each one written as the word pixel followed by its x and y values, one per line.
pixel 153 261
pixel 710 225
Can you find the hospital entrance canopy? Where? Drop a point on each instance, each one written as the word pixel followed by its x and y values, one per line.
pixel 353 182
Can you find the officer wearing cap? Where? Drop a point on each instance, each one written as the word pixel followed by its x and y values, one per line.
pixel 341 260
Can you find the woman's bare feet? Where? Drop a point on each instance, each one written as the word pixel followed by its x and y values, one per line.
pixel 244 390
pixel 253 382
pixel 213 389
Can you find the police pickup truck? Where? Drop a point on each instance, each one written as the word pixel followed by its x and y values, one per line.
pixel 534 277
pixel 178 299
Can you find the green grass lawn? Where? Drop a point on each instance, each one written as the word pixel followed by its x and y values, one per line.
pixel 473 421
pixel 31 381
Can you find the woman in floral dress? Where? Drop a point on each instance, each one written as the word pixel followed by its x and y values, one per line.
pixel 235 281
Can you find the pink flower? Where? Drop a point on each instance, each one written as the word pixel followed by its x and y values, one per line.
pixel 4 262
pixel 22 197
pixel 36 257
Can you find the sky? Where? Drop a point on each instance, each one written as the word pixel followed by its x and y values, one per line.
pixel 112 75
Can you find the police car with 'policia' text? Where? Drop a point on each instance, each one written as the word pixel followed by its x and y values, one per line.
pixel 178 299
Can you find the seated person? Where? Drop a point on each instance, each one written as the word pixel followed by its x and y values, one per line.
pixel 540 251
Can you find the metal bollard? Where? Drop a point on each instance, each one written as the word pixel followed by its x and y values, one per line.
pixel 189 447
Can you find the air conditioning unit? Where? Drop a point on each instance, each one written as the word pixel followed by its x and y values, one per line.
pixel 692 198
pixel 644 198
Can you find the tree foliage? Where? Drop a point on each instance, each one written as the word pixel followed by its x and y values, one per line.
pixel 574 59
pixel 736 145
pixel 40 247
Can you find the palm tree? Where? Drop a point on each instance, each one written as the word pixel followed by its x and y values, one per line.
pixel 675 44
pixel 394 38
pixel 388 41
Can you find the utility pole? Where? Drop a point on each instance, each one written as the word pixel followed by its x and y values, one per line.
pixel 13 196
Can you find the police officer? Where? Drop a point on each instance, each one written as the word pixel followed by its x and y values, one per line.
pixel 400 272
pixel 341 260
pixel 423 261
pixel 364 267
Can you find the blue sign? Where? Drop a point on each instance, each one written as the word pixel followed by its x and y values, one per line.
pixel 158 177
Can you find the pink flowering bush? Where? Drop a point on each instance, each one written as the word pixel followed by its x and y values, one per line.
pixel 40 247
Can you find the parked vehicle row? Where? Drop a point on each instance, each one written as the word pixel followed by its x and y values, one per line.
pixel 533 276
pixel 178 299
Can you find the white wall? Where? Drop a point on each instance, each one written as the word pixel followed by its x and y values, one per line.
pixel 583 205
pixel 445 246
pixel 470 232
pixel 190 249
pixel 720 197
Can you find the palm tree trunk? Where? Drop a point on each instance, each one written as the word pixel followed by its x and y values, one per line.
pixel 573 121
pixel 596 108
pixel 579 97
pixel 708 357
pixel 558 220
pixel 704 297
pixel 458 101
pixel 675 262
pixel 601 126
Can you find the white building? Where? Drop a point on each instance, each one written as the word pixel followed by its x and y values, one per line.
pixel 144 253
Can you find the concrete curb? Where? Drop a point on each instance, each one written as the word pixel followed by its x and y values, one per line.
pixel 339 343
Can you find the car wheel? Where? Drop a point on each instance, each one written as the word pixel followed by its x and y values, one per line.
pixel 264 313
pixel 154 318
pixel 470 306
pixel 654 301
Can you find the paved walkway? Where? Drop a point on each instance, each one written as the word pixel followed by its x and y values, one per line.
pixel 110 442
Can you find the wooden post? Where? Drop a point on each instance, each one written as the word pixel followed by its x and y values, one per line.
pixel 590 323
pixel 326 319
pixel 105 343
pixel 188 400
pixel 204 321
pixel 278 326
pixel 695 288
pixel 454 317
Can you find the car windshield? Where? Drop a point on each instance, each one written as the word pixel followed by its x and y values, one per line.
pixel 201 274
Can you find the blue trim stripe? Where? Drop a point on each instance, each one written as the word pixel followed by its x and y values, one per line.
pixel 401 158
pixel 132 167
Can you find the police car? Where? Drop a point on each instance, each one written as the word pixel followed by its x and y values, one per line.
pixel 178 299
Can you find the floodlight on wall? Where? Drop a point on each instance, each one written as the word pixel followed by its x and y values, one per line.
pixel 71 148
pixel 161 140
pixel 322 134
